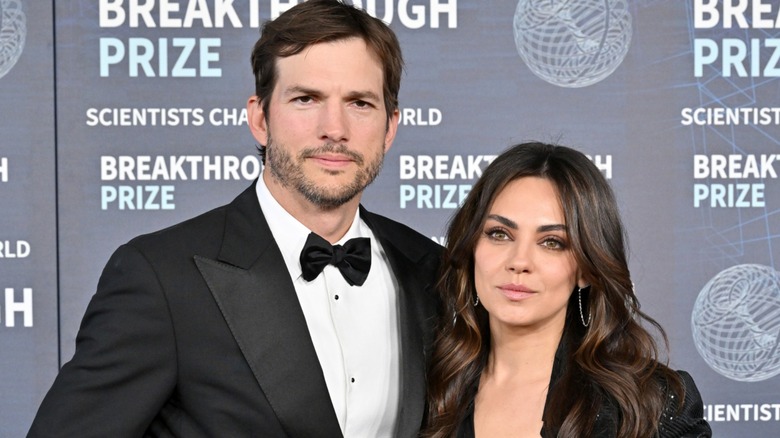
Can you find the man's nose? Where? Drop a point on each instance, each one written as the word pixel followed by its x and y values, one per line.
pixel 334 125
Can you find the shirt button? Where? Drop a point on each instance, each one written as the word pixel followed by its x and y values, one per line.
pixel 336 297
pixel 353 380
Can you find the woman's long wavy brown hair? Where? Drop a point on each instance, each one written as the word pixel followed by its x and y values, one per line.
pixel 614 361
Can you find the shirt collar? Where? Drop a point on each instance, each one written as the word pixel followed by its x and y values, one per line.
pixel 289 233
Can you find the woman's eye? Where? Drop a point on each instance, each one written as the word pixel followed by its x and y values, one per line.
pixel 553 244
pixel 497 234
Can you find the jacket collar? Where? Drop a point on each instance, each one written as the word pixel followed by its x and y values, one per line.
pixel 251 285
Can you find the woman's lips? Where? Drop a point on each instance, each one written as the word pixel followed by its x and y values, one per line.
pixel 515 292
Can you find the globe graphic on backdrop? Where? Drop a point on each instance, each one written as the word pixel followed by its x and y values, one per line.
pixel 13 30
pixel 572 43
pixel 736 323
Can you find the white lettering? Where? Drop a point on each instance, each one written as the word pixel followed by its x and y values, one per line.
pixel 113 14
pixel 19 249
pixel 3 169
pixel 707 16
pixel 416 117
pixel 148 197
pixel 141 54
pixel 729 195
pixel 437 196
pixel 734 166
pixel 161 168
pixel 449 8
pixel 742 412
pixel 603 163
pixel 443 167
pixel 25 307
pixel 412 16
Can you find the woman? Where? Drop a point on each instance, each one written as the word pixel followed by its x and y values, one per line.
pixel 543 334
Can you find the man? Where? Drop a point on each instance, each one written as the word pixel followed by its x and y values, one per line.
pixel 221 326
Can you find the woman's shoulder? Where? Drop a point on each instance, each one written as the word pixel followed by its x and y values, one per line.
pixel 683 415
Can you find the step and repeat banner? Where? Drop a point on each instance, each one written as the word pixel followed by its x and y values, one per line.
pixel 122 117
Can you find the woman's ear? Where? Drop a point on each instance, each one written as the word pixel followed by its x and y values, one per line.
pixel 581 282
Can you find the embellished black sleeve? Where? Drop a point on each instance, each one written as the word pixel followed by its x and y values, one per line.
pixel 686 421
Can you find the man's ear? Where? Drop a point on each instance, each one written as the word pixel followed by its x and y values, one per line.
pixel 256 120
pixel 392 129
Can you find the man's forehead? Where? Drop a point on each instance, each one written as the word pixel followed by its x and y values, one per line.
pixel 345 63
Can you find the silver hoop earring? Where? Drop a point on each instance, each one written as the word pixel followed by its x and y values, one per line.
pixel 476 300
pixel 582 314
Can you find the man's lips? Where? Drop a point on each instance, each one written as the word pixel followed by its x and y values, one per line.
pixel 332 160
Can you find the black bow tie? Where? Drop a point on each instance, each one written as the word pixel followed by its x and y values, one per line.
pixel 353 259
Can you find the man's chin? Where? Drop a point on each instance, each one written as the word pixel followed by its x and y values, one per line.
pixel 329 198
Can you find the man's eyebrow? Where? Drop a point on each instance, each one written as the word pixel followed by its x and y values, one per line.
pixel 353 95
pixel 363 95
pixel 300 89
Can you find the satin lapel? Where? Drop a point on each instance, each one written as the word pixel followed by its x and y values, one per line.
pixel 252 288
pixel 413 361
pixel 416 310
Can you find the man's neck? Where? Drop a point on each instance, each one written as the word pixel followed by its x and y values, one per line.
pixel 330 223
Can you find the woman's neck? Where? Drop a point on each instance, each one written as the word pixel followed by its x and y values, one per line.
pixel 513 387
pixel 521 353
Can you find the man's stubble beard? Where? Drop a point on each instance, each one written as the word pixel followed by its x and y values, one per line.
pixel 288 171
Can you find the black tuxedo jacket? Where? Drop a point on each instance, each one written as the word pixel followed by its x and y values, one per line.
pixel 196 331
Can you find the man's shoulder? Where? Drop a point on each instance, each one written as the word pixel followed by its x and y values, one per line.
pixel 399 234
pixel 205 229
pixel 202 227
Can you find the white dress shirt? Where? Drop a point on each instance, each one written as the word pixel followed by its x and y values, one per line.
pixel 354 328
